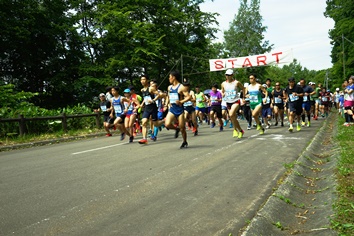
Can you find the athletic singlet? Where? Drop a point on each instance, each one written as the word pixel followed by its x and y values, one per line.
pixel 147 96
pixel 199 98
pixel 276 95
pixel 317 94
pixel 255 95
pixel 188 103
pixel 349 97
pixel 174 96
pixel 336 97
pixel 230 90
pixel 117 105
pixel 130 107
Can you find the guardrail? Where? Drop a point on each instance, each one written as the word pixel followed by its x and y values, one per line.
pixel 22 120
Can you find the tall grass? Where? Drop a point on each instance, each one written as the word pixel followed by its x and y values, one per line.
pixel 343 221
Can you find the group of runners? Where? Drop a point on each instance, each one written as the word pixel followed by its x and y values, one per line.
pixel 180 108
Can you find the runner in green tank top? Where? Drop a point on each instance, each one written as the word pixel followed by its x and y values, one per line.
pixel 254 93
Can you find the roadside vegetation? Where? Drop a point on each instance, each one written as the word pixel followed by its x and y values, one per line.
pixel 343 221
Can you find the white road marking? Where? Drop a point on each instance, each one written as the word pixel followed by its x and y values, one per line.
pixel 96 149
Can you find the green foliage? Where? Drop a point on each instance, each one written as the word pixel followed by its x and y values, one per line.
pixel 10 99
pixel 38 127
pixel 69 51
pixel 343 219
pixel 342 35
pixel 246 35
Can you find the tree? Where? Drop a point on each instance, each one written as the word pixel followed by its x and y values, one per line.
pixel 70 50
pixel 246 35
pixel 342 12
pixel 39 49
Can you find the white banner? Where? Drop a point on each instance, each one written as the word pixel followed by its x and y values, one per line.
pixel 273 58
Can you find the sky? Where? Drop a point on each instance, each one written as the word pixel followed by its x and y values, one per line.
pixel 299 25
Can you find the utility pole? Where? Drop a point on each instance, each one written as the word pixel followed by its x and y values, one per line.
pixel 181 68
pixel 343 57
pixel 344 53
pixel 326 80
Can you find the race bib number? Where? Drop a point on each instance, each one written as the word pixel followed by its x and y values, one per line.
pixel 253 98
pixel 230 95
pixel 104 108
pixel 267 100
pixel 118 109
pixel 213 99
pixel 305 99
pixel 187 104
pixel 324 99
pixel 293 98
pixel 173 97
pixel 278 100
pixel 147 100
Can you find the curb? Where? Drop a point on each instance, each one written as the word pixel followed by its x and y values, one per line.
pixel 302 204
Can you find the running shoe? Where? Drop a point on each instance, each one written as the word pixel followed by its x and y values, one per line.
pixel 303 123
pixel 195 132
pixel 298 127
pixel 108 135
pixel 261 131
pixel 276 123
pixel 282 124
pixel 231 126
pixel 131 138
pixel 150 131
pixel 212 125
pixel 241 133
pixel 114 127
pixel 221 129
pixel 248 127
pixel 177 132
pixel 259 127
pixel 291 128
pixel 225 122
pixel 235 134
pixel 153 138
pixel 184 145
pixel 143 141
pixel 308 124
pixel 267 127
pixel 122 136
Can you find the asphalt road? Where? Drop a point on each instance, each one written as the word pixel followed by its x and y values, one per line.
pixel 104 186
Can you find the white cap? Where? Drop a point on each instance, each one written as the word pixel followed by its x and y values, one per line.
pixel 229 72
pixel 264 85
pixel 246 84
pixel 337 89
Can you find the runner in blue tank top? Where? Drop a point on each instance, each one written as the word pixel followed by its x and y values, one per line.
pixel 117 102
pixel 178 95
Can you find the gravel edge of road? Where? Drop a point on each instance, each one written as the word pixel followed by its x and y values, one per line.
pixel 302 203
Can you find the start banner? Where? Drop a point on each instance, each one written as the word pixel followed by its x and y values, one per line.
pixel 268 59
